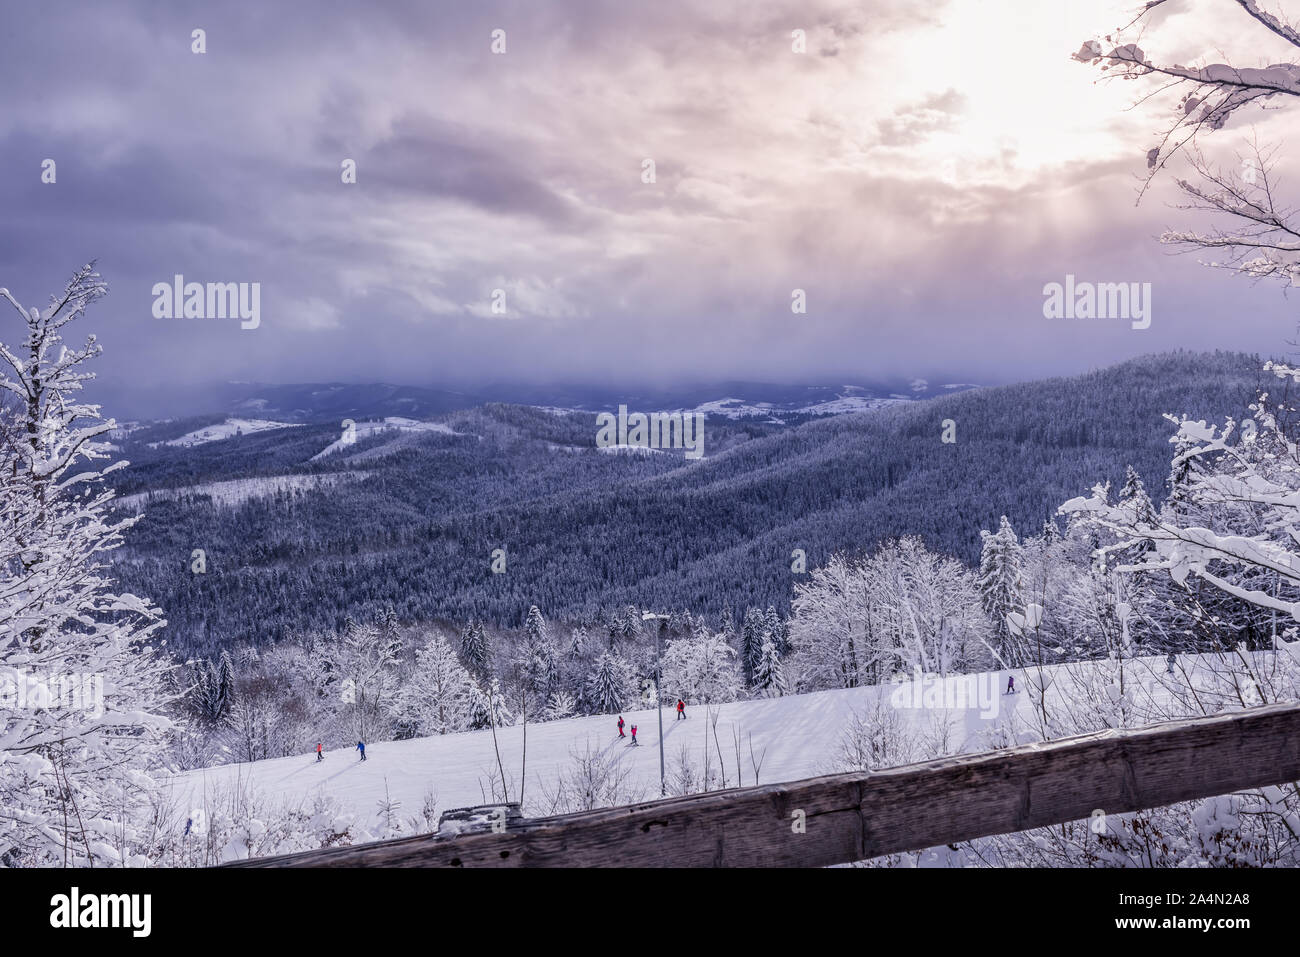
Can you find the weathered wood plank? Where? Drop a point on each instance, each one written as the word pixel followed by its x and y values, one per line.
pixel 851 817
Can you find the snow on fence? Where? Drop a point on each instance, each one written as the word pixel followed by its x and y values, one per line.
pixel 851 817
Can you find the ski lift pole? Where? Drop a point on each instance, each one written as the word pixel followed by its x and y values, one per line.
pixel 659 704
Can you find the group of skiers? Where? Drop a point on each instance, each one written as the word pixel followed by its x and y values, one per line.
pixel 320 751
pixel 681 714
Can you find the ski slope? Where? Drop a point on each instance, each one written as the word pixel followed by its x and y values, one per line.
pixel 795 737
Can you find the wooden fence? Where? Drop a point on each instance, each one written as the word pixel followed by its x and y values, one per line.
pixel 851 817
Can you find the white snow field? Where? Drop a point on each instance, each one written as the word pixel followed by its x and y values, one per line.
pixel 225 430
pixel 794 737
pixel 392 424
pixel 232 492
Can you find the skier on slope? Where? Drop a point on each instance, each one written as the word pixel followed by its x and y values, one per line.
pixel 1011 684
pixel 634 735
pixel 319 754
pixel 1171 661
pixel 361 746
pixel 681 709
pixel 620 727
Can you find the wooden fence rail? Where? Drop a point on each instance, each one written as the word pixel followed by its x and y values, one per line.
pixel 851 817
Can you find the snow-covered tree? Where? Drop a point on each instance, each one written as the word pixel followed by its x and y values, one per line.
pixel 753 631
pixel 559 705
pixel 1259 235
pixel 535 627
pixel 728 624
pixel 609 686
pixel 577 642
pixel 827 629
pixel 1051 534
pixel 488 707
pixel 537 663
pixel 436 695
pixel 83 689
pixel 769 676
pixel 1246 498
pixel 902 608
pixel 775 629
pixel 213 690
pixel 474 650
pixel 390 630
pixel 1001 591
pixel 701 669
pixel 362 664
pixel 922 610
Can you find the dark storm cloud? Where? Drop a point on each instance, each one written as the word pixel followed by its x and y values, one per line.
pixel 869 178
pixel 428 159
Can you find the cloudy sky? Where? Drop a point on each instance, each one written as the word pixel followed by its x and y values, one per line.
pixel 921 171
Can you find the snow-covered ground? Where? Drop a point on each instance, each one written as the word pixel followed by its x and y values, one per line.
pixel 237 491
pixel 631 449
pixel 794 737
pixel 843 404
pixel 848 404
pixel 225 430
pixel 394 423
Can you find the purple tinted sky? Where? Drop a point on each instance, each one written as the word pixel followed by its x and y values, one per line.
pixel 922 171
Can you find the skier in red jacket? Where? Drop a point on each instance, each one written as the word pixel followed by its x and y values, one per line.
pixel 681 709
pixel 620 727
pixel 634 734
pixel 319 755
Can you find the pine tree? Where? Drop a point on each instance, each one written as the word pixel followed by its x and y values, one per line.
pixel 769 676
pixel 728 624
pixel 535 627
pixel 474 649
pixel 1051 533
pixel 753 631
pixel 559 705
pixel 225 685
pixel 1135 501
pixel 484 706
pixel 609 685
pixel 1000 590
pixel 1134 497
pixel 1184 471
pixel 775 629
pixel 631 624
pixel 205 698
pixel 390 630
pixel 537 662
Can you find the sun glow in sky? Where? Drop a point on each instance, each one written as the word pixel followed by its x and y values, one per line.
pixel 921 171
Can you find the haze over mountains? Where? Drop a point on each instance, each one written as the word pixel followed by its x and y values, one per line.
pixel 313 402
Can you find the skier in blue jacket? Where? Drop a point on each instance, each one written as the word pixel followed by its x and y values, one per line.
pixel 361 746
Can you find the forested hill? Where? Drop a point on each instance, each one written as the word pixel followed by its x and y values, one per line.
pixel 410 516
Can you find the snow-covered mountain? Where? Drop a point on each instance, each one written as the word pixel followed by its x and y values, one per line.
pixel 249 405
